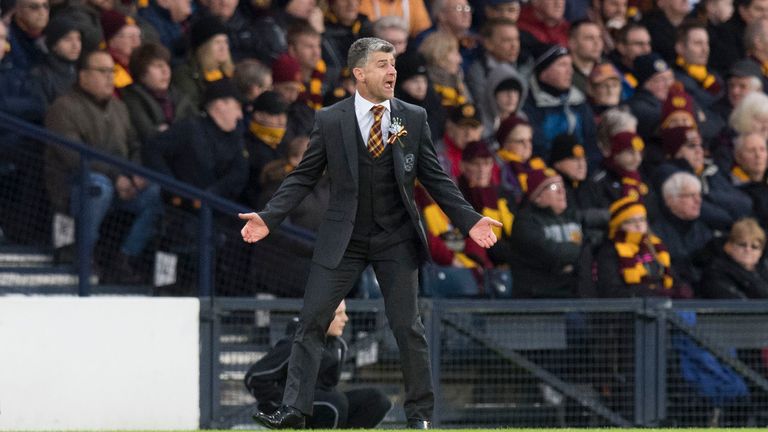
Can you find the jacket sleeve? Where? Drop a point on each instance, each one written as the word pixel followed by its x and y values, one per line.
pixel 442 189
pixel 234 181
pixel 165 146
pixel 529 240
pixel 300 181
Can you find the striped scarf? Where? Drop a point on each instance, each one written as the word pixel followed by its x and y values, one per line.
pixel 313 93
pixel 631 182
pixel 643 259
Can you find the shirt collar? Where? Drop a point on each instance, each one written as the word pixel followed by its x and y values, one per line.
pixel 363 105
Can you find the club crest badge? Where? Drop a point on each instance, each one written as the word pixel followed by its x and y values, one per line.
pixel 409 160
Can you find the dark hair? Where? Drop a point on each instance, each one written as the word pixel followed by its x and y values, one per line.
pixel 84 62
pixel 486 31
pixel 685 28
pixel 576 25
pixel 146 54
pixel 298 29
pixel 362 48
pixel 629 27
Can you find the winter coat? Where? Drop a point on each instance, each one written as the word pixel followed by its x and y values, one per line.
pixel 724 278
pixel 146 112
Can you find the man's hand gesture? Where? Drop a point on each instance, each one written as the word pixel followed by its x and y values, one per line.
pixel 482 232
pixel 255 229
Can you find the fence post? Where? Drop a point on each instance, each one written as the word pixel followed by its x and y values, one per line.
pixel 84 242
pixel 207 356
pixel 206 252
pixel 650 363
pixel 434 336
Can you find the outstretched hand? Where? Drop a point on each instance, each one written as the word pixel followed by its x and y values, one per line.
pixel 482 232
pixel 255 229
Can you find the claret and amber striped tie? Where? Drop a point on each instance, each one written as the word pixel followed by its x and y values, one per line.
pixel 375 138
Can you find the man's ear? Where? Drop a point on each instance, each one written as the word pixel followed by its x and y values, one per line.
pixel 359 74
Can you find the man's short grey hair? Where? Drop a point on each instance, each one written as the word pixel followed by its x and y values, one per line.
pixel 674 185
pixel 361 50
pixel 738 141
pixel 613 121
pixel 390 22
pixel 754 104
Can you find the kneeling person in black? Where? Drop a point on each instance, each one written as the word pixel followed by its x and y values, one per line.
pixel 361 408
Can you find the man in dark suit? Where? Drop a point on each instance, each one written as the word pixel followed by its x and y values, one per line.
pixel 373 148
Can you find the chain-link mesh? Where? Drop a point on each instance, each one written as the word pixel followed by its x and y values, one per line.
pixel 717 373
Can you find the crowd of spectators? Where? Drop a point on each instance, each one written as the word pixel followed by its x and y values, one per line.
pixel 621 144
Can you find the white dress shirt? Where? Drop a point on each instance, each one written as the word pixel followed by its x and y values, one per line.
pixel 365 118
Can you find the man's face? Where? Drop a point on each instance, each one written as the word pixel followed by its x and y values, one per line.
pixel 300 8
pixel 687 204
pixel 660 83
pixel 180 9
pixel 68 47
pixel 223 9
pixel 288 90
pixel 606 92
pixel 553 197
pixel 613 9
pixel 559 74
pixel 32 15
pixel 758 9
pixel 638 43
pixel 738 87
pixel 416 87
pixel 126 40
pixel 306 49
pixel 340 318
pixel 550 10
pixel 376 79
pixel 504 43
pixel 695 48
pixel 397 37
pixel 509 10
pixel 629 160
pixel 586 43
pixel 97 78
pixel 752 155
pixel 456 15
pixel 345 10
pixel 226 112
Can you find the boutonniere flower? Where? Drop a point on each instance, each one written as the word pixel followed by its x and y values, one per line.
pixel 396 131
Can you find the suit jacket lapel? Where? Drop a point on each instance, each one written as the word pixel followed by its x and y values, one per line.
pixel 349 132
pixel 397 149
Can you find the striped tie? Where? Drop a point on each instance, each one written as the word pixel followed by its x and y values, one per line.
pixel 375 138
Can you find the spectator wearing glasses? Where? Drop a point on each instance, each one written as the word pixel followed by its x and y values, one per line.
pixel 680 227
pixel 632 41
pixel 453 19
pixel 72 116
pixel 546 240
pixel 739 271
pixel 722 203
pixel 393 29
pixel 25 34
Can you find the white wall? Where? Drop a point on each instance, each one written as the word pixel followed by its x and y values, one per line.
pixel 99 363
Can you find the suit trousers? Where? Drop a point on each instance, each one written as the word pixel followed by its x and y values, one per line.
pixel 396 267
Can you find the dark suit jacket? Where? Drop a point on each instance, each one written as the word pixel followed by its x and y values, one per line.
pixel 333 145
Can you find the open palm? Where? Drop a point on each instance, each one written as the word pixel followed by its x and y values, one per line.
pixel 255 229
pixel 482 232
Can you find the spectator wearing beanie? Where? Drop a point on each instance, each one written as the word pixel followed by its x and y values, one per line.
pixel 287 82
pixel 462 127
pixel 554 106
pixel 266 130
pixel 152 102
pixel 206 150
pixel 680 109
pixel 654 79
pixel 620 176
pixel 722 203
pixel 413 86
pixel 168 19
pixel 210 59
pixel 502 96
pixel 121 36
pixel 476 184
pixel 546 240
pixel 633 262
pixel 444 68
pixel 58 72
pixel 515 138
